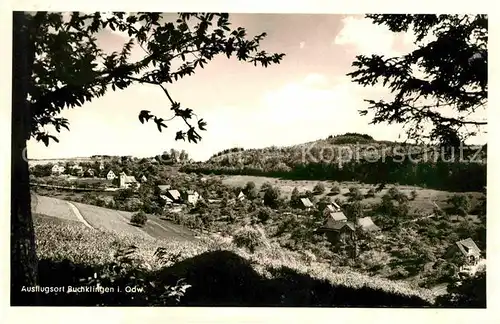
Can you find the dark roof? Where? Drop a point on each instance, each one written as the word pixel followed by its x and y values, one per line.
pixel 340 225
pixel 468 246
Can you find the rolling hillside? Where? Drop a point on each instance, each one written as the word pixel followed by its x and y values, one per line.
pixel 219 273
pixel 344 148
pixel 356 157
pixel 109 220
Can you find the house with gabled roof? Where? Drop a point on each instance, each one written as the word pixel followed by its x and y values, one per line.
pixel 469 250
pixel 470 254
pixel 164 188
pixel 335 217
pixel 90 172
pixel 241 196
pixel 331 208
pixel 57 169
pixel 338 232
pixel 175 195
pixel 168 201
pixel 127 181
pixel 143 178
pixel 111 175
pixel 306 203
pixel 366 224
pixel 191 196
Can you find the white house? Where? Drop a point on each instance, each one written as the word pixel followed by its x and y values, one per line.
pixel 241 196
pixel 55 169
pixel 334 218
pixel 471 256
pixel 126 181
pixel 58 169
pixel 111 175
pixel 192 197
pixel 331 208
pixel 144 179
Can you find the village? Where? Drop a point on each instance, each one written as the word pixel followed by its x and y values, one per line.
pixel 204 204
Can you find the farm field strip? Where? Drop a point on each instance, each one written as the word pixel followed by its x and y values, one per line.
pixel 119 221
pixel 108 219
pixel 53 207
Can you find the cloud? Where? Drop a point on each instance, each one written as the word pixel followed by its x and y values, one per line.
pixel 365 37
pixel 309 109
pixel 302 44
pixel 316 80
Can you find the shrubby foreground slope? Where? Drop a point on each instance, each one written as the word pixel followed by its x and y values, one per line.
pixel 211 272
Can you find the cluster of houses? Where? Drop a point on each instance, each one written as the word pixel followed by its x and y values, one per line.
pixel 125 181
pixel 58 169
pixel 174 198
pixel 339 230
pixel 336 226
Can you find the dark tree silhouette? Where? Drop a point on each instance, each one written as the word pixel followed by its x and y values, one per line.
pixel 56 66
pixel 453 70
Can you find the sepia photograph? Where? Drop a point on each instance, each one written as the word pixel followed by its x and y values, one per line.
pixel 212 159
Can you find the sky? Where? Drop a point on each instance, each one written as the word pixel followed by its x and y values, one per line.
pixel 306 97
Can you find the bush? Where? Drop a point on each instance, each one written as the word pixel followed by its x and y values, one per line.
pixel 355 210
pixel 249 186
pixel 265 186
pixel 335 189
pixel 250 238
pixel 139 218
pixel 319 188
pixel 370 193
pixel 471 293
pixel 271 196
pixel 413 194
pixel 355 193
pixel 250 190
pixel 295 198
pixel 460 204
pixel 264 214
pixel 339 202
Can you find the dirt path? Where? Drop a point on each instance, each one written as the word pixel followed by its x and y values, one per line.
pixel 79 215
